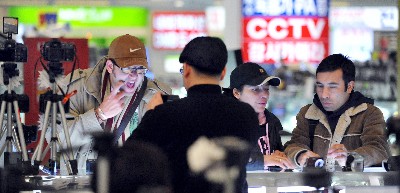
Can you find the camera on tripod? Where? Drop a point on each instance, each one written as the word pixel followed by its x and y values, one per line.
pixel 57 51
pixel 10 51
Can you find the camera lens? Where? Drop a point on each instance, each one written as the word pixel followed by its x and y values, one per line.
pixel 319 163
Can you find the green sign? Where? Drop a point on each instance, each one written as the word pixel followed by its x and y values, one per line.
pixel 83 16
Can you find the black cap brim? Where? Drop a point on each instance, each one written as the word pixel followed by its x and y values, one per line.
pixel 272 80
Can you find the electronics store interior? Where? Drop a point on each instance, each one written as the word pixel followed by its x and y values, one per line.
pixel 82 80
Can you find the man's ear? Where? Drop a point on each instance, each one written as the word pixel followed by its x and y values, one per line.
pixel 223 73
pixel 186 69
pixel 109 66
pixel 350 86
pixel 236 93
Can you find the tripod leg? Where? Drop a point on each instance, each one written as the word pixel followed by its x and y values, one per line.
pixel 34 154
pixel 42 135
pixel 3 130
pixel 45 151
pixel 66 162
pixel 20 132
pixel 66 132
pixel 16 141
pixel 72 162
pixel 9 126
pixel 54 139
pixel 4 146
pixel 3 109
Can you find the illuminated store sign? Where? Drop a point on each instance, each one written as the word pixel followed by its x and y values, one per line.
pixel 172 30
pixel 82 16
pixel 289 30
pixel 376 18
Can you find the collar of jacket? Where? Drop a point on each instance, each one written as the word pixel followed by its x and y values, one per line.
pixel 93 77
pixel 344 120
pixel 204 89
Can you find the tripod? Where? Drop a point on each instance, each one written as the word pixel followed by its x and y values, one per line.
pixel 9 101
pixel 53 101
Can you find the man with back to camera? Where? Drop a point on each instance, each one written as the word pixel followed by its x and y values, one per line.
pixel 176 125
pixel 110 97
pixel 344 120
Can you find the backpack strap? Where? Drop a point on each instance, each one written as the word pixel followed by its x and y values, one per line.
pixel 312 124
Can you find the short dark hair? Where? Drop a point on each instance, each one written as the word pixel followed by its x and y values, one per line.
pixel 338 61
pixel 208 55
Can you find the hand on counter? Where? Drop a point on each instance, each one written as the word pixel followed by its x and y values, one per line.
pixel 339 153
pixel 302 158
pixel 278 158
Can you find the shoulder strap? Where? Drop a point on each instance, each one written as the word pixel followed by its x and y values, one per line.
pixel 311 130
pixel 130 111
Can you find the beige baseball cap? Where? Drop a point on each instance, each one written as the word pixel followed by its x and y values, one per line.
pixel 127 50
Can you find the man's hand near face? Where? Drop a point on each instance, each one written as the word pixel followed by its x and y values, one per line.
pixel 114 102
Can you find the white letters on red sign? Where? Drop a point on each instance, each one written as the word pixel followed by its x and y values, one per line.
pixel 173 30
pixel 279 28
pixel 293 39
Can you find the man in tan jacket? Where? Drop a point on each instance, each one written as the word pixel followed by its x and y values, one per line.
pixel 344 120
pixel 111 97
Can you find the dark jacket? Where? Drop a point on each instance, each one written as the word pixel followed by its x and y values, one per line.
pixel 256 161
pixel 174 126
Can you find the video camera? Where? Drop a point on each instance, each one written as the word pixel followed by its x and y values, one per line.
pixel 10 51
pixel 57 51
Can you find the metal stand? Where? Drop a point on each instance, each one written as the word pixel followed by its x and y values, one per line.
pixel 54 102
pixel 9 100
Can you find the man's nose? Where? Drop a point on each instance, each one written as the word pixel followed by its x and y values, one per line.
pixel 325 92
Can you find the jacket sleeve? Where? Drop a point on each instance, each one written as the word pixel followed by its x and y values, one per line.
pixel 374 147
pixel 300 140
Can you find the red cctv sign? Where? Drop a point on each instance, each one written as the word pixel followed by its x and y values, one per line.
pixel 292 39
pixel 173 30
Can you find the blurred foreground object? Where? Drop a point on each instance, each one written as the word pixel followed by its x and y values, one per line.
pixel 219 160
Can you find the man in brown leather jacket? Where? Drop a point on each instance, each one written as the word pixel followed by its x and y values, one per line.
pixel 346 121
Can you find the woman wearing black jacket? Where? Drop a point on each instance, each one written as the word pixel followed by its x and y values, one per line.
pixel 250 83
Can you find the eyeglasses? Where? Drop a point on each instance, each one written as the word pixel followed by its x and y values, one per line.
pixel 136 69
pixel 133 69
pixel 181 70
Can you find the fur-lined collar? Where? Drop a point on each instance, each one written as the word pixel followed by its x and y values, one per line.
pixel 344 120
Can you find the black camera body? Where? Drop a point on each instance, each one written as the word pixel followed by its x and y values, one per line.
pixel 169 98
pixel 314 162
pixel 23 100
pixel 57 51
pixel 10 51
